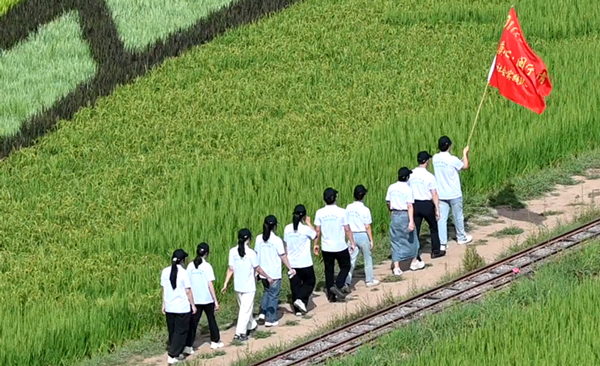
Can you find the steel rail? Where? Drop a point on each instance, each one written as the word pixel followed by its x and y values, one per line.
pixel 468 287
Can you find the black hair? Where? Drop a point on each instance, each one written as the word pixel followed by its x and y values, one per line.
pixel 330 200
pixel 402 178
pixel 268 226
pixel 299 214
pixel 444 148
pixel 173 276
pixel 200 252
pixel 359 195
pixel 243 236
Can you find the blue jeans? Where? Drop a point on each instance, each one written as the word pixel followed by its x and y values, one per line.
pixel 270 300
pixel 456 205
pixel 362 245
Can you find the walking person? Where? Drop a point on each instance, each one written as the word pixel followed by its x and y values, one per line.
pixel 359 219
pixel 243 263
pixel 202 277
pixel 297 237
pixel 332 227
pixel 405 242
pixel 178 304
pixel 446 168
pixel 427 204
pixel 271 252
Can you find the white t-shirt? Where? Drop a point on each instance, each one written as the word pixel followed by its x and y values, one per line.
pixel 446 168
pixel 200 277
pixel 422 183
pixel 358 215
pixel 298 245
pixel 399 195
pixel 332 219
pixel 243 269
pixel 176 300
pixel 269 255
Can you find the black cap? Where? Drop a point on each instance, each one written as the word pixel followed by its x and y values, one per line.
pixel 271 220
pixel 422 157
pixel 244 234
pixel 404 172
pixel 300 210
pixel 329 193
pixel 444 142
pixel 179 254
pixel 202 249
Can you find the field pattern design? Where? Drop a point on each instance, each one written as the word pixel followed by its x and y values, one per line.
pixel 116 64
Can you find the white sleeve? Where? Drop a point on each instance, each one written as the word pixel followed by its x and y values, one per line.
pixel 410 198
pixel 209 274
pixel 387 195
pixel 317 219
pixel 366 217
pixel 280 248
pixel 457 163
pixel 310 232
pixel 231 261
pixel 252 258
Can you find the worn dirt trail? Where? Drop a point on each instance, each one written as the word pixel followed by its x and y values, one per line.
pixel 563 204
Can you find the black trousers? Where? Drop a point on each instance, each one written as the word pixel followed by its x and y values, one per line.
pixel 178 326
pixel 343 261
pixel 425 210
pixel 209 309
pixel 302 285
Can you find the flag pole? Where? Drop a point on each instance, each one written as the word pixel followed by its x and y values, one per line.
pixel 477 115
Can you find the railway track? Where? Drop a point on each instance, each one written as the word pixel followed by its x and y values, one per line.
pixel 348 338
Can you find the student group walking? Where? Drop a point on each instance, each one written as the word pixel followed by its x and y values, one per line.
pixel 343 234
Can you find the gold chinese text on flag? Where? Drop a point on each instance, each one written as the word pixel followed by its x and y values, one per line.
pixel 517 72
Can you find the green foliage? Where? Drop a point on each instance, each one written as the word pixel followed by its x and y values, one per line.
pixel 143 22
pixel 508 231
pixel 328 93
pixel 472 260
pixel 5 5
pixel 42 69
pixel 519 326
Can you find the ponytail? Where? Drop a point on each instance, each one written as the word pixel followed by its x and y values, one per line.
pixel 243 236
pixel 178 256
pixel 201 251
pixel 296 221
pixel 173 276
pixel 241 247
pixel 268 226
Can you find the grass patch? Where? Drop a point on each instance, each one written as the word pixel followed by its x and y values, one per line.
pixel 291 323
pixel 480 242
pixel 392 278
pixel 552 213
pixel 508 231
pixel 307 316
pixel 5 5
pixel 260 334
pixel 143 22
pixel 211 355
pixel 37 72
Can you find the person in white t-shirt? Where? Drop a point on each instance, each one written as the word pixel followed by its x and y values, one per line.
pixel 427 203
pixel 446 168
pixel 405 242
pixel 201 277
pixel 297 237
pixel 332 228
pixel 271 252
pixel 178 304
pixel 243 264
pixel 359 219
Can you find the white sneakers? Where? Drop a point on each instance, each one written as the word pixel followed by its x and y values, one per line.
pixel 261 317
pixel 300 305
pixel 172 360
pixel 215 345
pixel 372 283
pixel 397 272
pixel 188 350
pixel 469 239
pixel 415 266
pixel 271 324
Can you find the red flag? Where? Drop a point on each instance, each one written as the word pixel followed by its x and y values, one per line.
pixel 517 72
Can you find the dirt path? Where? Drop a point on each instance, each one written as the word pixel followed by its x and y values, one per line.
pixel 558 206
